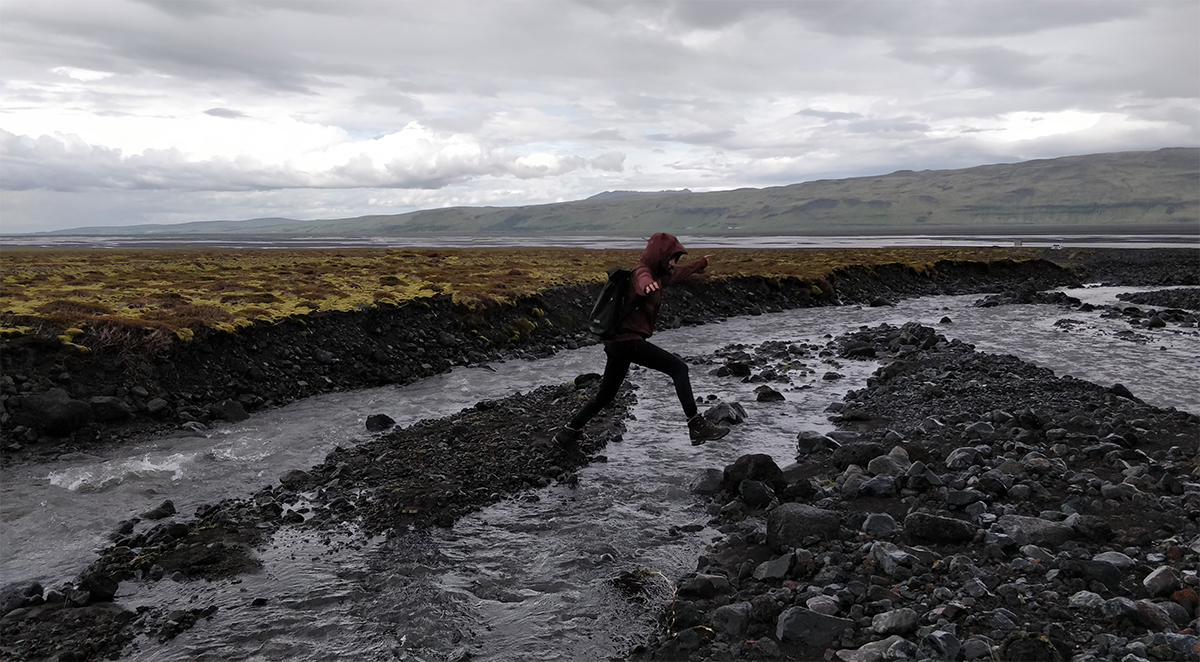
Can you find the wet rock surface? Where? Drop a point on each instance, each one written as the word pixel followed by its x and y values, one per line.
pixel 1187 298
pixel 970 507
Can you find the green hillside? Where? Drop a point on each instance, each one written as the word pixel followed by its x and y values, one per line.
pixel 1158 189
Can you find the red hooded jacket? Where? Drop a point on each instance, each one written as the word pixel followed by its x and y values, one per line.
pixel 654 266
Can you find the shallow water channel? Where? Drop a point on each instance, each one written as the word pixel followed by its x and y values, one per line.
pixel 529 578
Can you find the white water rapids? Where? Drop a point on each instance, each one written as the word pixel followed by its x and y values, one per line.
pixel 526 579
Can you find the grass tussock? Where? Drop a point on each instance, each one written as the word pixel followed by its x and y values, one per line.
pixel 146 297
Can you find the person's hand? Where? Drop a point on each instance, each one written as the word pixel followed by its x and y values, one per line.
pixel 652 287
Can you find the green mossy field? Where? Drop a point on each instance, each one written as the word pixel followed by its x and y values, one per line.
pixel 51 292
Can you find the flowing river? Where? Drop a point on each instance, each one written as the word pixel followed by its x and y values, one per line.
pixel 531 578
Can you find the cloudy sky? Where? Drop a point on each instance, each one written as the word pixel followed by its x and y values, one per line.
pixel 116 112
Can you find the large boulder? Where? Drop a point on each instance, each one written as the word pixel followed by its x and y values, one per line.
pixel 896 621
pixel 16 596
pixel 726 413
pixel 860 453
pixel 229 410
pixel 706 586
pixel 295 479
pixel 379 422
pixel 789 524
pixel 55 412
pixel 936 528
pixel 732 619
pixel 710 481
pixel 107 408
pixel 1037 531
pixel 161 511
pixel 811 441
pixel 799 624
pixel 759 467
pixel 101 586
pixel 756 494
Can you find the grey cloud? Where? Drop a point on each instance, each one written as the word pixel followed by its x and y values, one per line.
pixel 71 165
pixel 389 98
pixel 921 19
pixel 987 66
pixel 698 138
pixel 887 126
pixel 190 9
pixel 604 134
pixel 563 166
pixel 135 40
pixel 714 15
pixel 827 115
pixel 609 162
pixel 225 112
pixel 641 101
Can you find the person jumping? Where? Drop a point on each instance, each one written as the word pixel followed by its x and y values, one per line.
pixel 658 268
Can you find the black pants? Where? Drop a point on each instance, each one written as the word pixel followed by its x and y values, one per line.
pixel 641 352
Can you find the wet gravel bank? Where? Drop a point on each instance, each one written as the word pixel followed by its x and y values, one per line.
pixel 970 507
pixel 1187 298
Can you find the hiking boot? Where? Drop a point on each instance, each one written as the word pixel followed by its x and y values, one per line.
pixel 700 430
pixel 567 439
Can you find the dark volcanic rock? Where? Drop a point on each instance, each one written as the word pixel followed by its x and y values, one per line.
pixel 791 524
pixel 55 412
pixel 229 410
pixel 938 528
pixel 809 627
pixel 731 413
pixel 109 409
pixel 756 467
pixel 161 511
pixel 768 394
pixel 859 453
pixel 379 422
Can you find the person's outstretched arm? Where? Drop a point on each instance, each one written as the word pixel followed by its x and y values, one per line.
pixel 683 271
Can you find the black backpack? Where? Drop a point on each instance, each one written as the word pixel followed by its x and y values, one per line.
pixel 612 306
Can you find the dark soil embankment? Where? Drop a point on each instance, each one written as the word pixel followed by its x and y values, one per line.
pixel 53 400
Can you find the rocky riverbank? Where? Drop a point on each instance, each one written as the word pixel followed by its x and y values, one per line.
pixel 497 449
pixel 970 507
pixel 54 400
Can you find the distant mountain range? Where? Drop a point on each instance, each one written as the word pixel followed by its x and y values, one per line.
pixel 1153 191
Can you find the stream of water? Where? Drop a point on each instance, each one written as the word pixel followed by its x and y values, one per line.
pixel 530 578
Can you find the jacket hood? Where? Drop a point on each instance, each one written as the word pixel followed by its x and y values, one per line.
pixel 659 251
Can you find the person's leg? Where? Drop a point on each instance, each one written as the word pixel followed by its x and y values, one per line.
pixel 652 356
pixel 656 358
pixel 615 369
